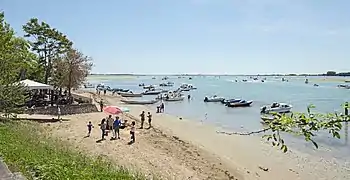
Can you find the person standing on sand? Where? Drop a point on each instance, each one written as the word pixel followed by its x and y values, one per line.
pixel 162 107
pixel 149 116
pixel 116 125
pixel 142 115
pixel 132 132
pixel 58 112
pixel 90 126
pixel 110 122
pixel 103 128
pixel 101 105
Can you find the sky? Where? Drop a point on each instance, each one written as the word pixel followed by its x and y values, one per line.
pixel 199 36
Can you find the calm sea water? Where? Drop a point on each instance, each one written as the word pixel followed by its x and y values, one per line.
pixel 327 98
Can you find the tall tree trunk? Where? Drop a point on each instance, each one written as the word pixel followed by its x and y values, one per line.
pixel 46 66
pixel 70 80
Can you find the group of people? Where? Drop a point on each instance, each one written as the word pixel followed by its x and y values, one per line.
pixel 160 108
pixel 114 125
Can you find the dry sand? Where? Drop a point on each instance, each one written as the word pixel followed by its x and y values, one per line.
pixel 184 149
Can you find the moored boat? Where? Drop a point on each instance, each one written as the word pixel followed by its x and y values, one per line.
pixel 179 98
pixel 225 101
pixel 130 94
pixel 141 102
pixel 148 87
pixel 344 86
pixel 213 99
pixel 276 108
pixel 89 85
pixel 168 84
pixel 154 92
pixel 242 103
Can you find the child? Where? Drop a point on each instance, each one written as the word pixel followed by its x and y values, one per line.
pixel 132 132
pixel 90 126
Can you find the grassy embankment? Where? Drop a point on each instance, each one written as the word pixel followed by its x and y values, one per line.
pixel 26 150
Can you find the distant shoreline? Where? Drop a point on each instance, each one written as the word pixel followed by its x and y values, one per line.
pixel 293 75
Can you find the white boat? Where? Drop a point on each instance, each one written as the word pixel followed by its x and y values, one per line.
pixel 178 98
pixel 154 92
pixel 89 85
pixel 213 99
pixel 191 87
pixel 168 84
pixel 276 108
pixel 139 101
pixel 130 94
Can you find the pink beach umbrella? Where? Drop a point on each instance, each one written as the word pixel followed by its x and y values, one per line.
pixel 112 110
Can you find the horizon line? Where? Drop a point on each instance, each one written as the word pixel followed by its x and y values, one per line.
pixel 214 74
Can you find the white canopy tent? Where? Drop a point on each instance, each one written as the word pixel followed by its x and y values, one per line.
pixel 32 85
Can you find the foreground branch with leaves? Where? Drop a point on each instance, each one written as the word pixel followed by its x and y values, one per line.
pixel 306 125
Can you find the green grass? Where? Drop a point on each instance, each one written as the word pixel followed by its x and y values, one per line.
pixel 24 149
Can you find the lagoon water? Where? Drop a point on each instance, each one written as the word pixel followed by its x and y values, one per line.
pixel 326 97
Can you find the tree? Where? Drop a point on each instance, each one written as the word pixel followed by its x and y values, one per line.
pixel 47 42
pixel 72 69
pixel 302 124
pixel 14 57
pixel 331 73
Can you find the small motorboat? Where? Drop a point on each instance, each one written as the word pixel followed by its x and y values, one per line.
pixel 148 87
pixel 142 84
pixel 213 99
pixel 186 89
pixel 140 102
pixel 89 85
pixel 242 103
pixel 168 84
pixel 225 101
pixel 344 86
pixel 267 119
pixel 191 87
pixel 130 94
pixel 153 92
pixel 119 90
pixel 276 108
pixel 316 85
pixel 179 98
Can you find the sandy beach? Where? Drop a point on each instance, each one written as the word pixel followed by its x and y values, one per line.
pixel 184 149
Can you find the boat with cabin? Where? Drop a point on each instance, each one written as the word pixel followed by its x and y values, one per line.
pixel 276 108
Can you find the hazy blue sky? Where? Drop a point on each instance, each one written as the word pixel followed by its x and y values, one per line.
pixel 199 36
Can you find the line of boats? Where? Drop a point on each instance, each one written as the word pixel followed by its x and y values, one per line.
pixel 267 109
